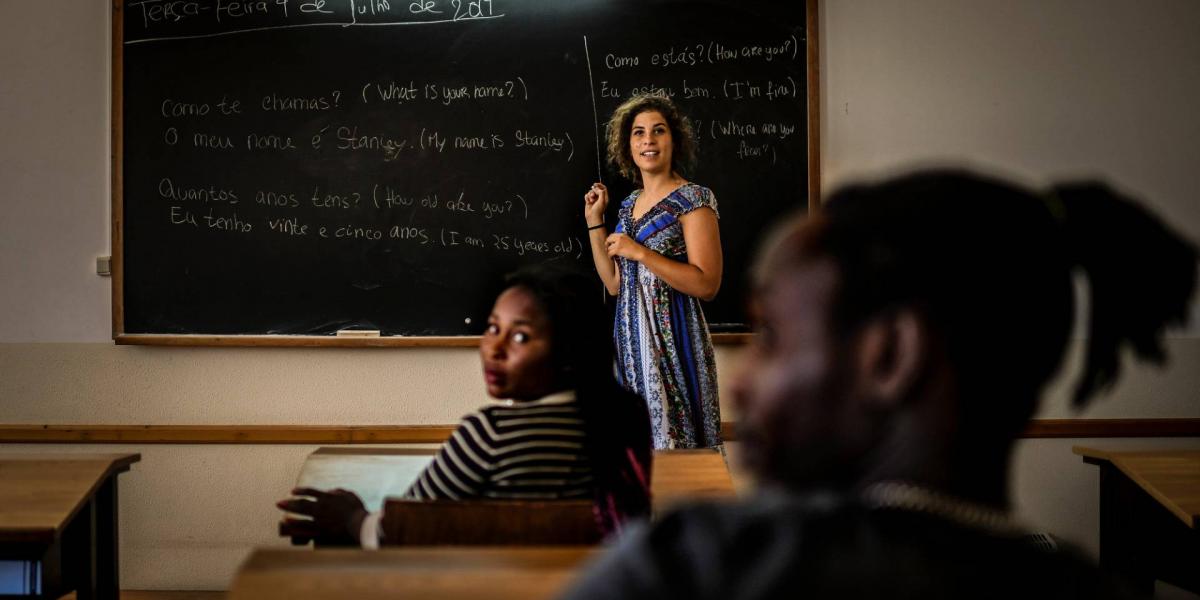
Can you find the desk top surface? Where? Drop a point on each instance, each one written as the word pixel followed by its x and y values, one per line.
pixel 678 475
pixel 435 573
pixel 39 493
pixel 1171 476
pixel 687 475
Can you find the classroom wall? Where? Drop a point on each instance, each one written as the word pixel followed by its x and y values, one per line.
pixel 1033 88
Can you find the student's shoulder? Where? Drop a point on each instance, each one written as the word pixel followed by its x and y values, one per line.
pixel 694 551
pixel 712 532
pixel 478 424
pixel 774 544
pixel 503 419
pixel 727 523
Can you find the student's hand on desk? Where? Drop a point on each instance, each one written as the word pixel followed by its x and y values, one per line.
pixel 336 517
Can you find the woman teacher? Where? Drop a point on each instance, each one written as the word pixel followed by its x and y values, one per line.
pixel 662 257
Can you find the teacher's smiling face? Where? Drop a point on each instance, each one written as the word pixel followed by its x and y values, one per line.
pixel 650 142
pixel 515 348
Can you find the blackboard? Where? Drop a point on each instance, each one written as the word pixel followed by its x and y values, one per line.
pixel 289 168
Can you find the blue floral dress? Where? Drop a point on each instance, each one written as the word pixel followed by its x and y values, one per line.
pixel 664 352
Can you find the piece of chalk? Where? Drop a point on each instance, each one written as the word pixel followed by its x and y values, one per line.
pixel 358 333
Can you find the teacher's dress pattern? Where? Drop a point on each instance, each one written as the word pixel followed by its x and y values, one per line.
pixel 664 352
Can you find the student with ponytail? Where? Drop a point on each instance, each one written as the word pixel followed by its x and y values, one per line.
pixel 563 428
pixel 905 335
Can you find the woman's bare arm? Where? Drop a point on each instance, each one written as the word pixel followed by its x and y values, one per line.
pixel 700 276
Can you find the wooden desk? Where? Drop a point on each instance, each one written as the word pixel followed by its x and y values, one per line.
pixel 445 572
pixel 59 512
pixel 442 573
pixel 374 473
pixel 689 475
pixel 1149 510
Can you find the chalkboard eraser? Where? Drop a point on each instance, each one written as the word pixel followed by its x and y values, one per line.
pixel 358 333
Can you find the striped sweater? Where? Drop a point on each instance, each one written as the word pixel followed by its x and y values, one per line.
pixel 517 450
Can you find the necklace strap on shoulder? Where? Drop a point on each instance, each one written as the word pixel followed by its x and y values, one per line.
pixel 900 495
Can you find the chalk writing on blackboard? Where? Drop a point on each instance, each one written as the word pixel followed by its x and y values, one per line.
pixel 300 166
pixel 240 16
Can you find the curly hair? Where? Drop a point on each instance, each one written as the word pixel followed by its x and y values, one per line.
pixel 683 151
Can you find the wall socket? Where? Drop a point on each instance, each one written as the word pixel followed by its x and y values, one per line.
pixel 104 266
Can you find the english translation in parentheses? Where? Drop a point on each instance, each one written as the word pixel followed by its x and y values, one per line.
pixel 432 140
pixel 525 204
pixel 393 91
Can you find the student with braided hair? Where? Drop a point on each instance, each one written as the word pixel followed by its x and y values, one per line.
pixel 905 335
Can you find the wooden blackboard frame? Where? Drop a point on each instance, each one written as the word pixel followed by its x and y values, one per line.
pixel 812 54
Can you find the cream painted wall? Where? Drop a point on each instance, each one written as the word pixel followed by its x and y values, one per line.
pixel 1037 89
pixel 1034 88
